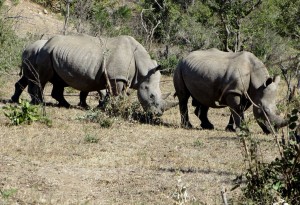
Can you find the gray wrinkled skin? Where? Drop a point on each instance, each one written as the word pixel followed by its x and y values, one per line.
pixel 28 66
pixel 81 62
pixel 218 79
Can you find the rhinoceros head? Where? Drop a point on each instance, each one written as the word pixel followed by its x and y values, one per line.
pixel 149 93
pixel 265 111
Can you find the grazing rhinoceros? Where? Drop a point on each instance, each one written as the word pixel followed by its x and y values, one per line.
pixel 89 64
pixel 28 71
pixel 217 79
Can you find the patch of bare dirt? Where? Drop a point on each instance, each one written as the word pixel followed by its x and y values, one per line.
pixel 32 19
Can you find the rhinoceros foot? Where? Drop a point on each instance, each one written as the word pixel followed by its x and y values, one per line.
pixel 229 128
pixel 64 104
pixel 83 105
pixel 15 99
pixel 187 125
pixel 207 126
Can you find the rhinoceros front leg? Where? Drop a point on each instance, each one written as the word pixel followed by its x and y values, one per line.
pixel 118 87
pixel 230 125
pixel 58 91
pixel 82 97
pixel 201 112
pixel 237 114
pixel 245 104
pixel 58 94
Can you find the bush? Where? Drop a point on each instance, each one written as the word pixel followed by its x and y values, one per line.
pixel 97 116
pixel 278 180
pixel 91 139
pixel 11 47
pixel 169 64
pixel 25 113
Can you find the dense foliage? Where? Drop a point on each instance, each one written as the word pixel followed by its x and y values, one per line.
pixel 11 47
pixel 168 28
pixel 279 180
pixel 172 28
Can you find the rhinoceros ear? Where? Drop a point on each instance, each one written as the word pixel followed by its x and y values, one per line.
pixel 268 82
pixel 158 67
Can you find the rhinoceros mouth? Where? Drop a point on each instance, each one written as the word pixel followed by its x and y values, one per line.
pixel 266 129
pixel 268 121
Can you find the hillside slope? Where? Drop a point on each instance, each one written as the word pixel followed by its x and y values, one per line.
pixel 32 19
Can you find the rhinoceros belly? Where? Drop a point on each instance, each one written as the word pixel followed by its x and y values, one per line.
pixel 79 65
pixel 203 86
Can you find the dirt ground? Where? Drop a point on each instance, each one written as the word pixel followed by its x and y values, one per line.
pixel 32 19
pixel 132 163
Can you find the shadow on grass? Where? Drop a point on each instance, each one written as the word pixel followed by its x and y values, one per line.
pixel 193 170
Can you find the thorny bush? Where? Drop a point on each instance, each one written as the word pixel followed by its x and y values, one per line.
pixel 279 180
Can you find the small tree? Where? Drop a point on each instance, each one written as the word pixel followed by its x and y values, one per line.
pixel 231 15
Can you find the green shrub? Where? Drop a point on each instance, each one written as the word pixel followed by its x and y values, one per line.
pixel 91 139
pixel 10 47
pixel 7 193
pixel 121 106
pixel 169 64
pixel 278 180
pixel 25 113
pixel 97 116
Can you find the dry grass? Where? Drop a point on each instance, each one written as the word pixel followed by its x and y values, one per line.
pixel 131 163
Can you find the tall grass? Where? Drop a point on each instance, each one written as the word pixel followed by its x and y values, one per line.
pixel 10 46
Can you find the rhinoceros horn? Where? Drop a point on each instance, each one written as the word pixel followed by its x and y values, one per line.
pixel 168 105
pixel 271 119
pixel 278 121
pixel 164 96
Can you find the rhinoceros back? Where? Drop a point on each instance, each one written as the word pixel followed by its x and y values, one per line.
pixel 77 60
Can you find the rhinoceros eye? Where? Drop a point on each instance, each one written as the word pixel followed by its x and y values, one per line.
pixel 152 96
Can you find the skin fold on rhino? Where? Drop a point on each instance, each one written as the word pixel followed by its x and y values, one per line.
pixel 218 79
pixel 89 64
pixel 28 72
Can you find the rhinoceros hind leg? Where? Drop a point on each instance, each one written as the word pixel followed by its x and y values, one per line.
pixel 185 122
pixel 19 87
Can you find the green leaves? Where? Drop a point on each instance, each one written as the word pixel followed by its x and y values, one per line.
pixel 281 176
pixel 25 113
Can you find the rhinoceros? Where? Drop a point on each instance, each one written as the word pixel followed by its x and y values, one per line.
pixel 89 63
pixel 28 71
pixel 218 79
